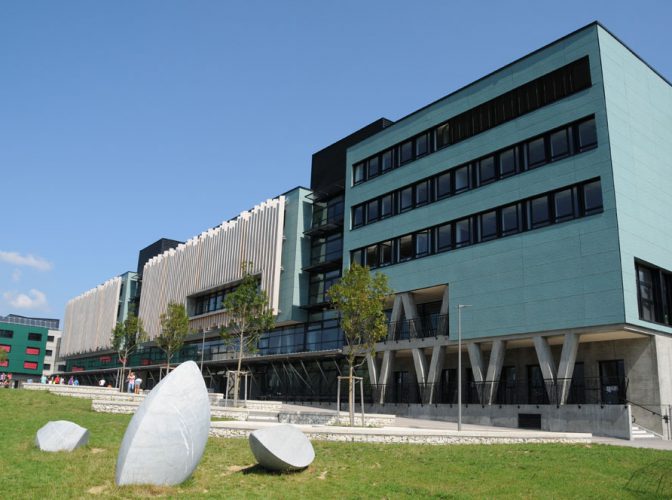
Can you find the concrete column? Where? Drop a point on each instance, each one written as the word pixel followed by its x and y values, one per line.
pixel 443 323
pixel 477 366
pixel 410 313
pixel 476 360
pixel 445 306
pixel 420 363
pixel 546 362
pixel 374 368
pixel 435 369
pixel 395 317
pixel 385 375
pixel 494 371
pixel 570 347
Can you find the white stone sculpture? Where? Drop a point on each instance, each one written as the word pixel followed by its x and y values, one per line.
pixel 282 448
pixel 167 435
pixel 61 435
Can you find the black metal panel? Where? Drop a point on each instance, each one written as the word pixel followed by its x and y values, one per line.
pixel 328 167
pixel 529 421
pixel 156 248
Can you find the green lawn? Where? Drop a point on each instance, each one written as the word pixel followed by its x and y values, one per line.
pixel 340 470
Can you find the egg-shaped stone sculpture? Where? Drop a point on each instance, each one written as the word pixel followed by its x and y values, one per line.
pixel 282 448
pixel 166 438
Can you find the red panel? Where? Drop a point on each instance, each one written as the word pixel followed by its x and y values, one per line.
pixel 4 363
pixel 30 365
pixel 105 359
pixel 77 369
pixel 145 362
pixel 33 351
pixel 6 347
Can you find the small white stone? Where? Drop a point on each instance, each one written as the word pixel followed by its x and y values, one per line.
pixel 61 435
pixel 282 448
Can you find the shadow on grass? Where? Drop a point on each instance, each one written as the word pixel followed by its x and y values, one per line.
pixel 258 470
pixel 654 479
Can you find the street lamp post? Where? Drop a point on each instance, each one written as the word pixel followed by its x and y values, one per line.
pixel 459 365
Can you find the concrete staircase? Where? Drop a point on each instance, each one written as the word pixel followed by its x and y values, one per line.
pixel 641 433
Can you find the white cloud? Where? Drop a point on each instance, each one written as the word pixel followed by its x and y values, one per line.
pixel 29 260
pixel 16 275
pixel 33 300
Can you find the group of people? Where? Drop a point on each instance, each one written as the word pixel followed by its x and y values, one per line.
pixel 134 383
pixel 57 379
pixel 5 380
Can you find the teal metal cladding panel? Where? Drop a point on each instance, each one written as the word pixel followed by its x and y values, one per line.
pixel 295 256
pixel 639 112
pixel 19 343
pixel 558 277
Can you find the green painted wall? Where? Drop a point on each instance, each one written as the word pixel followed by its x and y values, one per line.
pixel 19 343
pixel 559 277
pixel 639 112
pixel 295 256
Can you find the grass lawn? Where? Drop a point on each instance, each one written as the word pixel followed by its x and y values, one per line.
pixel 340 470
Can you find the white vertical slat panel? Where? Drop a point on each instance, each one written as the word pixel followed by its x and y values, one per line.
pixel 90 318
pixel 213 259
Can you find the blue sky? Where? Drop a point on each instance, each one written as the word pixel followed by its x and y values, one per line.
pixel 124 122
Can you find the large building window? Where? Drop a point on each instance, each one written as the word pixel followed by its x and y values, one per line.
pixel 35 337
pixel 654 293
pixel 547 209
pixel 514 159
pixel 545 90
pixel 6 334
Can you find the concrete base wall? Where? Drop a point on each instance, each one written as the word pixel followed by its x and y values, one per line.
pixel 608 420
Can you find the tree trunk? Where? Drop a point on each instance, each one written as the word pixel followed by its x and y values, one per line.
pixel 351 398
pixel 123 371
pixel 236 382
pixel 168 356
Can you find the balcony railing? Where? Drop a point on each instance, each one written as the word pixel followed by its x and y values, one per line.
pixel 433 325
pixel 596 390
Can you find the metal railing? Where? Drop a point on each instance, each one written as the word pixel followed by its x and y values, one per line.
pixel 594 390
pixel 432 325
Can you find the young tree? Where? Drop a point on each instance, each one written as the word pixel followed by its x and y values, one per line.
pixel 360 298
pixel 126 337
pixel 3 356
pixel 248 315
pixel 174 329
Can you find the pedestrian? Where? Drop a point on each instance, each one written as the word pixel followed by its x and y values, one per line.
pixel 57 380
pixel 76 382
pixel 43 379
pixel 101 382
pixel 131 382
pixel 138 385
pixel 71 380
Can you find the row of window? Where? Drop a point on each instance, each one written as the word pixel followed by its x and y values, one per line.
pixel 545 90
pixel 554 207
pixel 9 334
pixel 326 249
pixel 527 155
pixel 210 302
pixel 654 293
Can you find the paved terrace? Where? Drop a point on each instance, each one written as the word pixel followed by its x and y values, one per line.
pixel 318 423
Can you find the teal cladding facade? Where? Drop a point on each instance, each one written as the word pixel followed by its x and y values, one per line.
pixel 639 113
pixel 295 256
pixel 558 277
pixel 19 344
